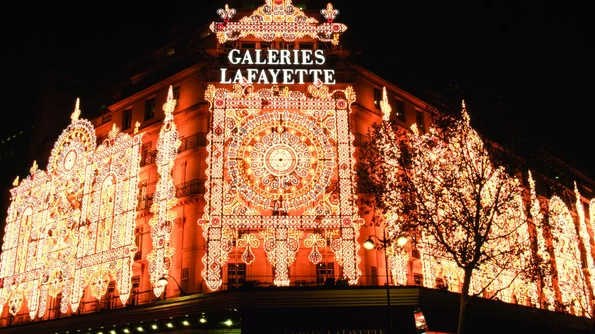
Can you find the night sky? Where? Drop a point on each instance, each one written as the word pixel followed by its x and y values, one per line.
pixel 537 57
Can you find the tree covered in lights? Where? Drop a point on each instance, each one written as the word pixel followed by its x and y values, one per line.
pixel 449 188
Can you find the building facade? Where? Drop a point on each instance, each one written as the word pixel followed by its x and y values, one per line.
pixel 230 172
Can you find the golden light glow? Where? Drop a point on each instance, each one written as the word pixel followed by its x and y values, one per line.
pixel 278 19
pixel 164 198
pixel 283 160
pixel 72 226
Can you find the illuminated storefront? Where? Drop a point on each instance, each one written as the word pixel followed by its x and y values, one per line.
pixel 245 184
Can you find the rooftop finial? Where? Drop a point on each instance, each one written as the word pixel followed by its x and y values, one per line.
pixel 384 106
pixel 77 112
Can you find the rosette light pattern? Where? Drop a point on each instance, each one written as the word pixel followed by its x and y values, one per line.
pixel 164 199
pixel 279 163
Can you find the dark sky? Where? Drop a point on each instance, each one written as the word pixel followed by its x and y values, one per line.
pixel 537 56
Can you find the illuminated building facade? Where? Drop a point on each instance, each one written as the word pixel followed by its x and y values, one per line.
pixel 241 190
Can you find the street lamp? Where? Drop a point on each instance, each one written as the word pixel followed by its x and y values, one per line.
pixel 384 243
pixel 163 281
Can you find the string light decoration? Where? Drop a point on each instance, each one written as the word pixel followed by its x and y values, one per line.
pixel 164 198
pixel 278 19
pixel 248 241
pixel 586 241
pixel 536 211
pixel 280 162
pixel 314 241
pixel 571 280
pixel 72 226
pixel 281 246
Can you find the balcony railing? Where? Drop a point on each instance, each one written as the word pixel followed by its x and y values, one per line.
pixel 192 187
pixel 196 140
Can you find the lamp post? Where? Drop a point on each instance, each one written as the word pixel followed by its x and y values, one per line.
pixel 163 281
pixel 384 243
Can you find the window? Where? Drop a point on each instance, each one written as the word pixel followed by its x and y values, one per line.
pixel 400 110
pixel 324 271
pixel 126 119
pixel 236 274
pixel 135 289
pixel 265 45
pixel 417 279
pixel 248 45
pixel 419 119
pixel 149 109
pixel 377 98
pixel 147 155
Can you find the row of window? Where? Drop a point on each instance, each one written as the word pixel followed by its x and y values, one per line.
pixel 148 115
pixel 236 273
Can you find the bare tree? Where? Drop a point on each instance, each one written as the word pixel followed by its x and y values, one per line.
pixel 447 185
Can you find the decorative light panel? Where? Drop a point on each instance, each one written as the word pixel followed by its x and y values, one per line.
pixel 279 162
pixel 549 296
pixel 586 241
pixel 72 226
pixel 571 280
pixel 278 19
pixel 164 198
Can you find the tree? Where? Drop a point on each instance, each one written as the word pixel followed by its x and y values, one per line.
pixel 448 186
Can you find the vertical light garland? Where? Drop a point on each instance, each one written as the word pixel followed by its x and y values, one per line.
pixel 164 198
pixel 547 289
pixel 586 240
pixel 571 280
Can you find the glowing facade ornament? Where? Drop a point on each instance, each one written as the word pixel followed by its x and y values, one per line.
pixel 547 289
pixel 586 240
pixel 571 280
pixel 278 19
pixel 164 198
pixel 314 241
pixel 273 158
pixel 72 226
pixel 248 241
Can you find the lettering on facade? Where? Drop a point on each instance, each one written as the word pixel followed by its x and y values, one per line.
pixel 283 76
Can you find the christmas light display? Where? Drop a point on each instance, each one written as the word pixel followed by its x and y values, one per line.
pixel 535 210
pixel 571 280
pixel 273 156
pixel 72 226
pixel 278 19
pixel 314 241
pixel 164 198
pixel 248 241
pixel 586 241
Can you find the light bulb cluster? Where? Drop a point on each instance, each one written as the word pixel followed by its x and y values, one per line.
pixel 280 162
pixel 72 226
pixel 278 19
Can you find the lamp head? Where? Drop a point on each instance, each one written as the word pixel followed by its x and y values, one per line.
pixel 402 240
pixel 369 244
pixel 162 281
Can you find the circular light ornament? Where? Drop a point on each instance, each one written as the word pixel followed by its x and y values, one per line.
pixel 280 160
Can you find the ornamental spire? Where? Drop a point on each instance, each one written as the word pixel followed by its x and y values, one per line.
pixel 169 106
pixel 384 106
pixel 77 112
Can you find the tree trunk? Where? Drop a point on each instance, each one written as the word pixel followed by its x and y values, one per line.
pixel 463 300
